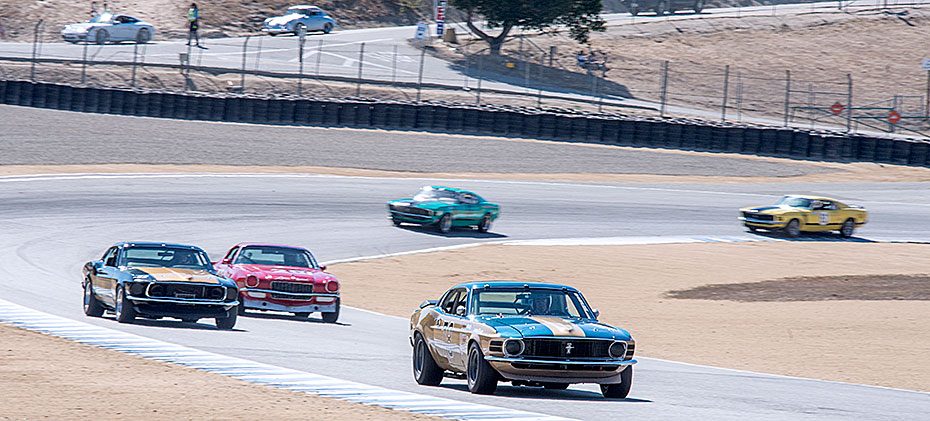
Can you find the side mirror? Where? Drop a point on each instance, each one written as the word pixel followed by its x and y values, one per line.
pixel 224 261
pixel 596 314
pixel 428 303
pixel 322 267
pixel 460 311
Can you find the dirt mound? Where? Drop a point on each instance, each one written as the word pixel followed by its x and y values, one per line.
pixel 816 288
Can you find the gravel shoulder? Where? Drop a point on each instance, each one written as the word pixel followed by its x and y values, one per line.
pixel 823 339
pixel 43 377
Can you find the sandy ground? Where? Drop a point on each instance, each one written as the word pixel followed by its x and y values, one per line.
pixel 835 340
pixel 854 172
pixel 43 377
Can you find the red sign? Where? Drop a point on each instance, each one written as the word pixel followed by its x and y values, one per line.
pixel 837 108
pixel 894 117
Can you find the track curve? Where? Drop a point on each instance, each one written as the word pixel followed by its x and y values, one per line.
pixel 52 225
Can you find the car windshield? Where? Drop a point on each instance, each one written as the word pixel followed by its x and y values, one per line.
pixel 430 194
pixel 102 18
pixel 169 257
pixel 795 202
pixel 276 256
pixel 529 302
pixel 297 10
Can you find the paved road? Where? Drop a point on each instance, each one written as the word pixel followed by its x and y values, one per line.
pixel 52 225
pixel 388 56
pixel 38 136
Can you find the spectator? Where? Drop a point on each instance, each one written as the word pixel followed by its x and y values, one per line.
pixel 93 9
pixel 582 59
pixel 193 18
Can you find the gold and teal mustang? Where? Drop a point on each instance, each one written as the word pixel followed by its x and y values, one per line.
pixel 444 208
pixel 795 214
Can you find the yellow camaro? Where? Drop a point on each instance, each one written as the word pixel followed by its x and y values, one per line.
pixel 796 213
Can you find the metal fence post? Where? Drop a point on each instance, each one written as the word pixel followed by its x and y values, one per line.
pixel 420 76
pixel 539 82
pixel 849 106
pixel 480 79
pixel 663 90
pixel 787 94
pixel 394 67
pixel 135 54
pixel 35 43
pixel 739 96
pixel 300 56
pixel 319 56
pixel 726 85
pixel 258 57
pixel 245 50
pixel 361 60
pixel 84 66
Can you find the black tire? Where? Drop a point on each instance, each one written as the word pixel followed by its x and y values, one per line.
pixel 698 6
pixel 92 306
pixel 395 221
pixel 425 370
pixel 793 228
pixel 302 315
pixel 143 36
pixel 848 228
pixel 485 224
pixel 190 320
pixel 327 28
pixel 661 8
pixel 753 229
pixel 555 386
pixel 445 224
pixel 102 36
pixel 332 317
pixel 240 309
pixel 227 323
pixel 619 390
pixel 125 312
pixel 482 379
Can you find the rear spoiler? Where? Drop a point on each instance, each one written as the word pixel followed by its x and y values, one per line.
pixel 428 303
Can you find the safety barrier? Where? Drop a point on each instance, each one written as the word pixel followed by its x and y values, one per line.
pixel 555 124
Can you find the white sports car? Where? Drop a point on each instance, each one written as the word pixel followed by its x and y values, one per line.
pixel 298 19
pixel 107 27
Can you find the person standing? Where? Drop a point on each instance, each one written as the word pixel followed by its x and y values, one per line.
pixel 193 18
pixel 93 9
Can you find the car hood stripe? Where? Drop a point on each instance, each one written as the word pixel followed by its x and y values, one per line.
pixel 180 275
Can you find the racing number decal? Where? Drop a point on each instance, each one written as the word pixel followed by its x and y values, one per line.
pixel 824 218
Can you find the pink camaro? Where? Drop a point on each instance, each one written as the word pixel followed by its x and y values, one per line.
pixel 281 278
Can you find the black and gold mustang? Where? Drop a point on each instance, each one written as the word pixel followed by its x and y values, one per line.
pixel 155 280
pixel 530 334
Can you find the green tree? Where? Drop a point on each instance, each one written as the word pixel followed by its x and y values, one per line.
pixel 581 17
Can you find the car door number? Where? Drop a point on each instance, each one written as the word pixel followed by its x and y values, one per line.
pixel 824 218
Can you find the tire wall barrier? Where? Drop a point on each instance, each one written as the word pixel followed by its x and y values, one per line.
pixel 555 124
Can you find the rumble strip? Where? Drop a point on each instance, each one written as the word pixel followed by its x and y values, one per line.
pixel 255 372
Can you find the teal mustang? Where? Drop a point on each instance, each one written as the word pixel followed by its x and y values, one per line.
pixel 444 208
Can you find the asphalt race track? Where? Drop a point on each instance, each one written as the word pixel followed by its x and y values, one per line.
pixel 52 225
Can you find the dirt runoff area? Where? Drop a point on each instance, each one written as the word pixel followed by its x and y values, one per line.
pixel 832 338
pixel 43 377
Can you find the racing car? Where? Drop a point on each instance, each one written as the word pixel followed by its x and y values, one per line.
pixel 299 19
pixel 109 27
pixel 444 208
pixel 794 214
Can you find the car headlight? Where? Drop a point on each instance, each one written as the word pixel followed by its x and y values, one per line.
pixel 514 347
pixel 232 294
pixel 157 290
pixel 137 288
pixel 617 350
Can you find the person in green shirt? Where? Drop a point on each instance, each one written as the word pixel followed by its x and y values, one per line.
pixel 193 18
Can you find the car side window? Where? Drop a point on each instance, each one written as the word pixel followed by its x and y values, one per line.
pixel 448 302
pixel 110 258
pixel 469 199
pixel 231 253
pixel 461 301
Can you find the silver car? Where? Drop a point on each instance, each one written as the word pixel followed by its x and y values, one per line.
pixel 107 27
pixel 299 19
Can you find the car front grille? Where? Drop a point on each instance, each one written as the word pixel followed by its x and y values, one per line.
pixel 410 210
pixel 567 348
pixel 295 287
pixel 759 216
pixel 186 291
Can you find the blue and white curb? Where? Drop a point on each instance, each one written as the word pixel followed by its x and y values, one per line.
pixel 255 372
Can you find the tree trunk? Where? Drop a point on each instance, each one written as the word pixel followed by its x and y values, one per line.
pixel 494 43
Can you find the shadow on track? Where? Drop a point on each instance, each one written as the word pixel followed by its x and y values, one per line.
pixel 811 236
pixel 456 232
pixel 526 392
pixel 288 317
pixel 175 324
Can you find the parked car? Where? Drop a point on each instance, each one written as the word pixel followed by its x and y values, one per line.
pixel 298 19
pixel 108 27
pixel 530 334
pixel 281 278
pixel 155 280
pixel 794 214
pixel 661 7
pixel 444 208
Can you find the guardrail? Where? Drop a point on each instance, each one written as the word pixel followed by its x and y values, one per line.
pixel 555 124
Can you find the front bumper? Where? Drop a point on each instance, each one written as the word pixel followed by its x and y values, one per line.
pixel 761 223
pixel 276 30
pixel 74 36
pixel 281 305
pixel 560 371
